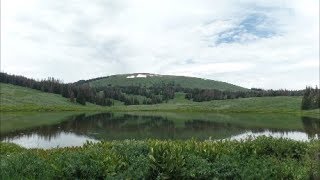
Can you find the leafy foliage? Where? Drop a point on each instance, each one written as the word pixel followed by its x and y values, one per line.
pixel 263 158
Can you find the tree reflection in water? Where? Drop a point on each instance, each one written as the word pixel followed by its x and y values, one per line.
pixel 110 126
pixel 311 126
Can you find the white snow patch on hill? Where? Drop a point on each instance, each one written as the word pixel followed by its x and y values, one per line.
pixel 141 76
pixel 138 76
pixel 131 76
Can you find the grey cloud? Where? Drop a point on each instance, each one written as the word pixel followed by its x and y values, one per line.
pixel 108 37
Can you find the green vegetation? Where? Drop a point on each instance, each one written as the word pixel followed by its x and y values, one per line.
pixel 312 113
pixel 281 104
pixel 183 81
pixel 16 98
pixel 311 99
pixel 156 93
pixel 263 158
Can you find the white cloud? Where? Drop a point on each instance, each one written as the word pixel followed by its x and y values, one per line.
pixel 75 40
pixel 204 70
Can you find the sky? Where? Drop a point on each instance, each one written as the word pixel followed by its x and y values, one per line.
pixel 269 44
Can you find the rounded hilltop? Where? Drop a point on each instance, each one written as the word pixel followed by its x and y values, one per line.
pixel 149 79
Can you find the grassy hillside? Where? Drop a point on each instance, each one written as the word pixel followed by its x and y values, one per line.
pixel 16 98
pixel 279 104
pixel 150 79
pixel 20 98
pixel 255 104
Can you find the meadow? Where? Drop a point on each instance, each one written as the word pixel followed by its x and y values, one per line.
pixel 15 98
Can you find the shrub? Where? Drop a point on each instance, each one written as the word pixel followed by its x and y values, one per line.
pixel 262 158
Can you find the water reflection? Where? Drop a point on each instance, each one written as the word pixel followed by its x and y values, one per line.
pixel 76 129
pixel 61 139
pixel 297 136
pixel 311 126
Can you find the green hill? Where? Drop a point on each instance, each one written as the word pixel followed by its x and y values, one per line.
pixel 147 79
pixel 20 98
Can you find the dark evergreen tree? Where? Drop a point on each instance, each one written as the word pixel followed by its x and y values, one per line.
pixel 71 96
pixel 81 99
pixel 188 96
pixel 108 102
pixel 136 101
pixel 144 101
pixel 65 91
pixel 306 99
pixel 317 98
pixel 314 98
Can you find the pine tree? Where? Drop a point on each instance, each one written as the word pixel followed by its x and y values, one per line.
pixel 71 96
pixel 144 101
pixel 81 98
pixel 317 98
pixel 307 99
pixel 108 102
pixel 136 101
pixel 65 91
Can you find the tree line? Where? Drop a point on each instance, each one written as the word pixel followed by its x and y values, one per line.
pixel 81 92
pixel 200 95
pixel 311 98
pixel 153 93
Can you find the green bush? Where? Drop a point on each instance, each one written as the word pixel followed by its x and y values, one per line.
pixel 262 158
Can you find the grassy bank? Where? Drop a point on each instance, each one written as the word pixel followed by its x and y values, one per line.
pixel 15 98
pixel 263 158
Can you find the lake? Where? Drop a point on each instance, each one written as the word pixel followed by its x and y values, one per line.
pixel 50 130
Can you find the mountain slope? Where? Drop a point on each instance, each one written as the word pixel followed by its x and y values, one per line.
pixel 150 79
pixel 16 97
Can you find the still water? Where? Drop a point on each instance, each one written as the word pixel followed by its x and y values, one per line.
pixel 49 130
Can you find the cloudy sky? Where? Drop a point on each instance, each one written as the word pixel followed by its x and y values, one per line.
pixel 252 43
